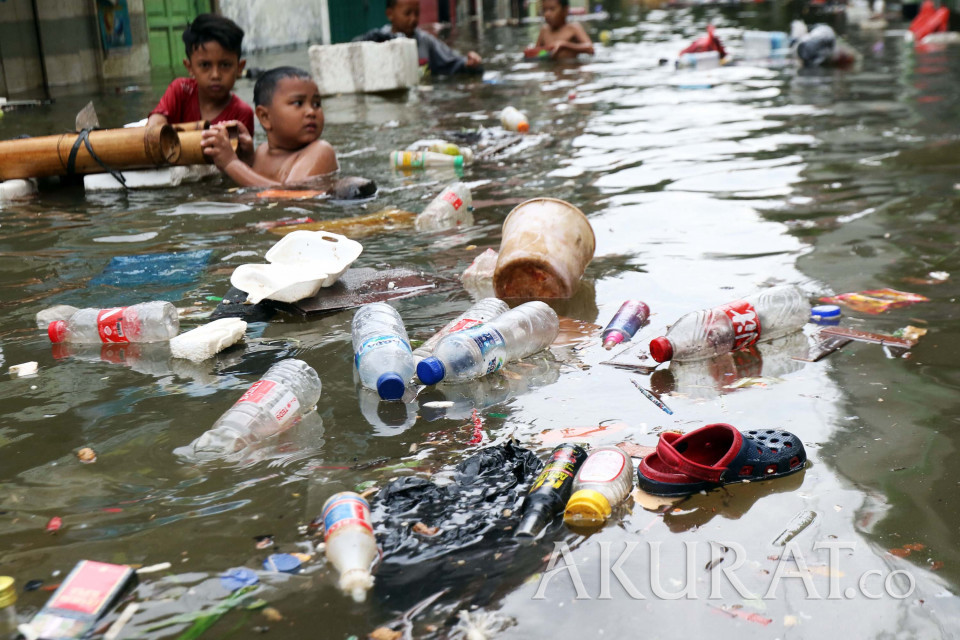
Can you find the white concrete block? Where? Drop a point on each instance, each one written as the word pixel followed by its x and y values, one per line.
pixel 365 67
pixel 14 189
pixel 150 178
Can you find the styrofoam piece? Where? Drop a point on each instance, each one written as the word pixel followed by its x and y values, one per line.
pixel 150 178
pixel 24 369
pixel 280 282
pixel 134 125
pixel 365 67
pixel 54 313
pixel 14 189
pixel 207 340
pixel 331 253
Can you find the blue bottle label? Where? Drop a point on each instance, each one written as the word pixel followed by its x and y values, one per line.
pixel 376 343
pixel 345 509
pixel 489 339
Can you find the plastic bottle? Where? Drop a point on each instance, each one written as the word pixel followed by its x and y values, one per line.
pixel 382 350
pixel 289 389
pixel 513 119
pixel 701 60
pixel 765 44
pixel 8 609
pixel 147 322
pixel 441 146
pixel 625 323
pixel 423 159
pixel 817 47
pixel 551 490
pixel 481 350
pixel 482 311
pixel 350 545
pixel 765 315
pixel 452 208
pixel 604 480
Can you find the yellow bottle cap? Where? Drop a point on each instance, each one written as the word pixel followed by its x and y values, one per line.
pixel 587 507
pixel 8 595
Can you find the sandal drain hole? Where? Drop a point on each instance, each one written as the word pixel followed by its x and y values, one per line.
pixel 771 468
pixel 746 471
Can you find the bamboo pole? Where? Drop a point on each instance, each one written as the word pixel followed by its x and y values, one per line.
pixel 196 125
pixel 190 150
pixel 139 147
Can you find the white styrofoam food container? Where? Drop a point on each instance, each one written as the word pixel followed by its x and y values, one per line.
pixel 365 67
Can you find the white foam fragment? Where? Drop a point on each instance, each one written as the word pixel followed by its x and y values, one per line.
pixel 24 369
pixel 365 67
pixel 16 189
pixel 208 340
pixel 150 178
pixel 54 313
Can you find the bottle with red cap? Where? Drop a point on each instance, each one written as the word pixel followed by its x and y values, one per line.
pixel 147 322
pixel 763 316
pixel 626 322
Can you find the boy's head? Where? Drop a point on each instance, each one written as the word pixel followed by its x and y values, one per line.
pixel 555 12
pixel 287 103
pixel 213 45
pixel 404 15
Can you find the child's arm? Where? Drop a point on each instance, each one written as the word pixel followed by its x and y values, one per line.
pixel 579 42
pixel 318 158
pixel 541 41
pixel 157 118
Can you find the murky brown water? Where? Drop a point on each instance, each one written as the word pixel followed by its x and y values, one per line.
pixel 699 186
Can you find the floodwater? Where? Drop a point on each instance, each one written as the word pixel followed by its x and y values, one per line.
pixel 700 186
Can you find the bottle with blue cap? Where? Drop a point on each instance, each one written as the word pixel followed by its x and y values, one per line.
pixel 827 314
pixel 483 349
pixel 381 350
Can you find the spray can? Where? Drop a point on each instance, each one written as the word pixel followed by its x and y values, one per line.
pixel 551 490
pixel 626 322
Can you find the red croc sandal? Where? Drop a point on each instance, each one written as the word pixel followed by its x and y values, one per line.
pixel 716 455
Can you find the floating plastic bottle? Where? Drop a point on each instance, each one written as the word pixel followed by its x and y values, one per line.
pixel 482 311
pixel 763 316
pixel 625 323
pixel 147 322
pixel 450 149
pixel 381 350
pixel 603 481
pixel 452 208
pixel 551 490
pixel 701 60
pixel 289 389
pixel 350 545
pixel 513 119
pixel 765 44
pixel 8 609
pixel 481 350
pixel 423 159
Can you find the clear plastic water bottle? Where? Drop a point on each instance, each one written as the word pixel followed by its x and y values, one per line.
pixel 482 311
pixel 350 545
pixel 289 389
pixel 625 323
pixel 423 159
pixel 701 60
pixel 452 208
pixel 147 322
pixel 381 350
pixel 512 119
pixel 765 44
pixel 481 350
pixel 763 316
pixel 603 481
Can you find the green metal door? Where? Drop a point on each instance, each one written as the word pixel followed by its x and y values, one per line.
pixel 350 19
pixel 166 20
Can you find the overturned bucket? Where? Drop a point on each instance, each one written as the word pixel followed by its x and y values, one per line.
pixel 546 245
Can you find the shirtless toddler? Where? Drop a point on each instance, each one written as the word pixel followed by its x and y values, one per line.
pixel 562 39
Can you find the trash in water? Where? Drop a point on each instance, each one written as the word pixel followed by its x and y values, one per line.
pixel 551 490
pixel 799 522
pixel 24 369
pixel 387 219
pixel 87 593
pixel 934 277
pixel 603 481
pixel 207 340
pixel 167 269
pixel 87 455
pixel 145 322
pixel 237 578
pixel 759 381
pixel 625 323
pixel 481 311
pixel 424 160
pixel 282 562
pixel 350 545
pixel 452 208
pixel 652 398
pixel 478 277
pixel 381 349
pixel 902 342
pixel 876 301
pixel 581 434
pixel 54 524
pixel 826 314
pixel 54 313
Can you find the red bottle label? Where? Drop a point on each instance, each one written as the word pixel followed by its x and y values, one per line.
pixel 284 409
pixel 466 323
pixel 453 199
pixel 89 587
pixel 745 321
pixel 110 325
pixel 345 509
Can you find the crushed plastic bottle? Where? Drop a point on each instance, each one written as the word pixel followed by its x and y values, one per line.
pixel 551 490
pixel 482 311
pixel 423 159
pixel 289 389
pixel 381 350
pixel 763 316
pixel 350 545
pixel 512 119
pixel 146 322
pixel 625 323
pixel 481 350
pixel 603 481
pixel 452 208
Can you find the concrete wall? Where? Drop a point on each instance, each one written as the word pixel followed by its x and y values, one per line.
pixel 269 24
pixel 69 39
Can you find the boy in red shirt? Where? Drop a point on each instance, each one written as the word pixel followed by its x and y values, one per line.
pixel 213 60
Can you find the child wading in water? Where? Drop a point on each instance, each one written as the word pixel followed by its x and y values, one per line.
pixel 564 40
pixel 288 106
